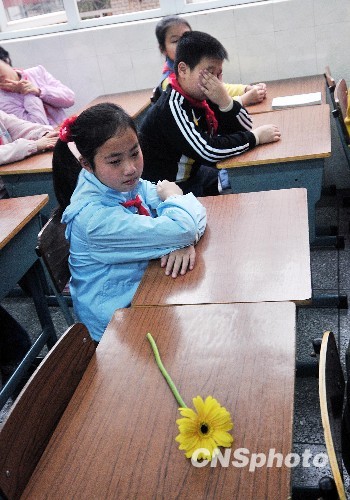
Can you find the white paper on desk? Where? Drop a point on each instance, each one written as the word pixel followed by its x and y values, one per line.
pixel 290 101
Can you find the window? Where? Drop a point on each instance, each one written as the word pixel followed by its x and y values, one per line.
pixel 20 18
pixel 101 8
pixel 21 9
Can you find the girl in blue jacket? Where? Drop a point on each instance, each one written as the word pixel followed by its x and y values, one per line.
pixel 116 222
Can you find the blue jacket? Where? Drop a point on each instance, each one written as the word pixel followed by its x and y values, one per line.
pixel 110 245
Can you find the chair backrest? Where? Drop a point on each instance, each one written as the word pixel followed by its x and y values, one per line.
pixel 341 103
pixel 329 79
pixel 53 248
pixel 346 416
pixel 331 392
pixel 38 408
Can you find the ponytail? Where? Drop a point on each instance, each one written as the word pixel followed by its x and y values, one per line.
pixel 65 172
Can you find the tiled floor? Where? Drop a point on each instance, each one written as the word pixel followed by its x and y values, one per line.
pixel 330 273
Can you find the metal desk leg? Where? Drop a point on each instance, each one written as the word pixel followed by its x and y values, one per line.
pixel 34 283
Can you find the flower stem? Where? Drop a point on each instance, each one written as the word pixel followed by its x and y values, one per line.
pixel 164 372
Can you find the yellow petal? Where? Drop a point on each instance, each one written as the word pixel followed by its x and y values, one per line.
pixel 223 438
pixel 188 413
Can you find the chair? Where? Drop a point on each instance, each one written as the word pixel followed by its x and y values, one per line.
pixel 38 408
pixel 346 416
pixel 335 422
pixel 330 84
pixel 53 250
pixel 340 112
pixel 331 393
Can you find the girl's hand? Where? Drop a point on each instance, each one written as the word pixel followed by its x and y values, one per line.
pixel 167 188
pixel 46 142
pixel 13 86
pixel 19 87
pixel 53 133
pixel 181 260
pixel 214 89
pixel 261 85
pixel 27 87
pixel 255 94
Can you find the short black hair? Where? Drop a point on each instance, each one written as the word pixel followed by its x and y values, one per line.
pixel 5 56
pixel 164 24
pixel 194 45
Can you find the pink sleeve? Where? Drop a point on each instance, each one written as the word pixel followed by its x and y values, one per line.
pixel 24 129
pixel 53 91
pixel 27 107
pixel 17 150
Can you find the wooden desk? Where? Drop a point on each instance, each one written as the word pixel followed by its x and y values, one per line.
pixel 134 102
pixel 116 438
pixel 31 176
pixel 297 160
pixel 255 249
pixel 290 86
pixel 19 227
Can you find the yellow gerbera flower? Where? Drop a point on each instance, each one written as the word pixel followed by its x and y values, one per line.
pixel 207 429
pixel 202 432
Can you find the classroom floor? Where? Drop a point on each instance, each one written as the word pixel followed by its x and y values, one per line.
pixel 330 273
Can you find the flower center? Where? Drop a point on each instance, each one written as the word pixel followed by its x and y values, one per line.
pixel 204 428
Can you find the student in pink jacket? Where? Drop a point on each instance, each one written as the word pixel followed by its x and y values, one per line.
pixel 20 138
pixel 34 95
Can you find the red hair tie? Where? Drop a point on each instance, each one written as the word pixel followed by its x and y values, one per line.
pixel 65 133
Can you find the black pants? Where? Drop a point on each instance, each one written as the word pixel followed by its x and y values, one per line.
pixel 3 192
pixel 203 183
pixel 14 340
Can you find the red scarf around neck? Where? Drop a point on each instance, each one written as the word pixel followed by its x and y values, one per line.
pixel 136 202
pixel 209 113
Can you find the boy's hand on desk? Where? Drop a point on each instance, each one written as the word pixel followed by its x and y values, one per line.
pixel 167 188
pixel 179 261
pixel 267 133
pixel 214 89
pixel 254 94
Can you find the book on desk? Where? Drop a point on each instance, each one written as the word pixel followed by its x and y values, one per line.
pixel 291 101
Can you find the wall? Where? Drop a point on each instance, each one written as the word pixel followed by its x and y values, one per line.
pixel 265 41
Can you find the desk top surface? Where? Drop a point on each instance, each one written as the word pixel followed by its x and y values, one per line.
pixel 290 86
pixel 255 248
pixel 133 102
pixel 15 213
pixel 35 164
pixel 305 135
pixel 117 436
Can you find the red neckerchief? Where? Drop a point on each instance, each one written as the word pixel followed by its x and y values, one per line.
pixel 136 202
pixel 166 69
pixel 209 113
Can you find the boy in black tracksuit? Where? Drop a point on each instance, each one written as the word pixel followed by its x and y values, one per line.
pixel 195 123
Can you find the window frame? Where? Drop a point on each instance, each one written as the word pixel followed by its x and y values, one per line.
pixel 69 19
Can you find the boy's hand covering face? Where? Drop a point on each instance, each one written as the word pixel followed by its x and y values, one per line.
pixel 214 89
